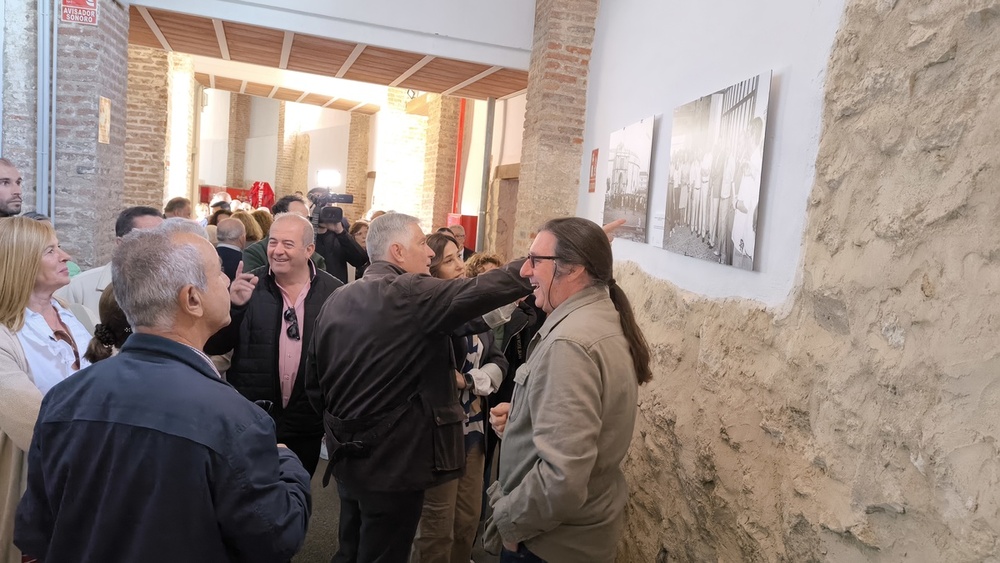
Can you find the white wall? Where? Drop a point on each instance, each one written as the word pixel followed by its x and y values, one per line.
pixel 329 134
pixel 508 130
pixel 261 159
pixel 700 47
pixel 213 144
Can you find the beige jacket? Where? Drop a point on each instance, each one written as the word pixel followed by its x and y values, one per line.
pixel 19 403
pixel 561 489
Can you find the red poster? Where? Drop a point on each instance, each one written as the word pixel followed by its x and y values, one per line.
pixel 593 172
pixel 79 11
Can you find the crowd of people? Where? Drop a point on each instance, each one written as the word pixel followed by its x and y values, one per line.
pixel 172 404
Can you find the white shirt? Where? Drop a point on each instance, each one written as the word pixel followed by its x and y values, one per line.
pixel 51 360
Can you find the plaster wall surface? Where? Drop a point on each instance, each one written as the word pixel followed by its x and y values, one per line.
pixel 856 421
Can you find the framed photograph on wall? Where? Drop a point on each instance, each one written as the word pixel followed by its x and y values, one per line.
pixel 713 185
pixel 627 185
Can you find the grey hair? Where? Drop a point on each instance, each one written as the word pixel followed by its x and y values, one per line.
pixel 182 225
pixel 230 230
pixel 148 270
pixel 386 230
pixel 308 234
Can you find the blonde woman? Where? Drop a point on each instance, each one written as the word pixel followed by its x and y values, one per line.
pixel 40 345
pixel 254 233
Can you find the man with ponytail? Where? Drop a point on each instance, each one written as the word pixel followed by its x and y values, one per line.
pixel 561 493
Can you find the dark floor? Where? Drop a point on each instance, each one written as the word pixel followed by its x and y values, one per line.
pixel 321 541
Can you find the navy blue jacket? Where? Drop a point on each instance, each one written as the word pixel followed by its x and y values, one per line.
pixel 149 456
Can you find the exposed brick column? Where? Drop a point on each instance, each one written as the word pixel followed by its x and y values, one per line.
pixel 20 81
pixel 291 174
pixel 356 180
pixel 439 158
pixel 555 109
pixel 90 176
pixel 146 130
pixel 402 141
pixel 239 131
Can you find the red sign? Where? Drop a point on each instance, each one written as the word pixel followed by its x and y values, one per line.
pixel 79 11
pixel 593 172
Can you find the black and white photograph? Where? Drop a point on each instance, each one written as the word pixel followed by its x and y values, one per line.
pixel 713 185
pixel 627 194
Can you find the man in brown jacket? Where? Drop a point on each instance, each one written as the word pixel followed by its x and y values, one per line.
pixel 561 493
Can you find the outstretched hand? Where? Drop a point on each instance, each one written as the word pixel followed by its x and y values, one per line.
pixel 241 287
pixel 611 227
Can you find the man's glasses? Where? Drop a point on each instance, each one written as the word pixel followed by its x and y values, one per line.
pixel 293 324
pixel 534 259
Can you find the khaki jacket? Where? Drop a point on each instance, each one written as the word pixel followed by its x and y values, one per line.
pixel 561 490
pixel 19 403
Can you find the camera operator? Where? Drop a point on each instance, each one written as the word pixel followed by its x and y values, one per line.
pixel 334 243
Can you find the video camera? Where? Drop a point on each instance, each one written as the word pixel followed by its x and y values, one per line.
pixel 324 210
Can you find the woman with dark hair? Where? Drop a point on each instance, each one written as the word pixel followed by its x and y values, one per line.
pixel 218 215
pixel 359 230
pixel 561 493
pixel 450 516
pixel 111 332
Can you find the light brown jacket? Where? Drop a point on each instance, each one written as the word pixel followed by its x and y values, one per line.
pixel 561 489
pixel 19 403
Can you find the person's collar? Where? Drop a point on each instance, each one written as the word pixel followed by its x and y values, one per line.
pixel 145 343
pixel 581 298
pixel 312 272
pixel 384 267
pixel 227 245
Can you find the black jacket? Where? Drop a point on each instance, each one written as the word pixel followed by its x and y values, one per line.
pixel 230 260
pixel 253 337
pixel 339 249
pixel 381 371
pixel 149 456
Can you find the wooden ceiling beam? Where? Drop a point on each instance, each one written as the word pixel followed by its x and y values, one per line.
pixel 273 92
pixel 350 60
pixel 220 36
pixel 333 99
pixel 300 98
pixel 153 27
pixel 419 65
pixel 286 49
pixel 243 87
pixel 472 80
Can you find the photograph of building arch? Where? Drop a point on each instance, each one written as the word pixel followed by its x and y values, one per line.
pixel 627 190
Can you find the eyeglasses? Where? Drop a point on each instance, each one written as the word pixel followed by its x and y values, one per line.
pixel 534 259
pixel 293 324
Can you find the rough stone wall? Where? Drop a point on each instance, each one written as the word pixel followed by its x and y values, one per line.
pixel 146 130
pixel 858 423
pixel 356 179
pixel 239 132
pixel 20 56
pixel 93 62
pixel 554 113
pixel 439 158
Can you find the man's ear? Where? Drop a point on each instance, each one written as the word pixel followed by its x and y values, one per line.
pixel 396 252
pixel 310 249
pixel 191 301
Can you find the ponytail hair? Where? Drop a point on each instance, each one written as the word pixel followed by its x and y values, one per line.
pixel 582 242
pixel 111 332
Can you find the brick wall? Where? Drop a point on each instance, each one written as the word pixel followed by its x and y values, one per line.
pixel 239 131
pixel 356 179
pixel 555 109
pixel 20 79
pixel 402 140
pixel 146 132
pixel 439 158
pixel 292 172
pixel 89 176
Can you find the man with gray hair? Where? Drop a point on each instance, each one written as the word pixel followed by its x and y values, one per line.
pixel 381 369
pixel 270 330
pixel 150 456
pixel 232 237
